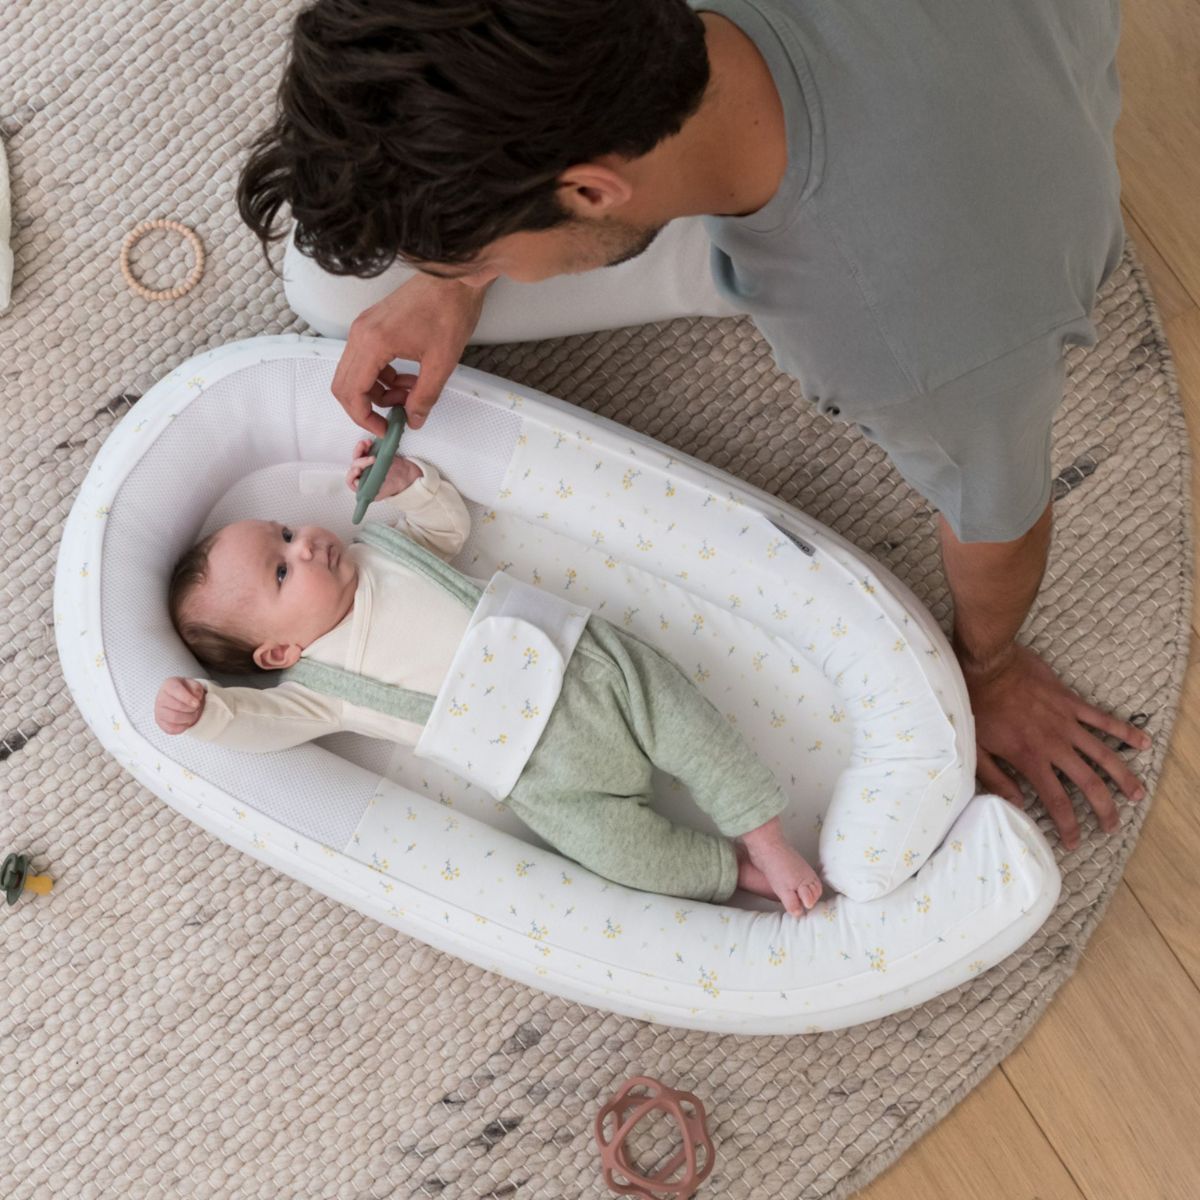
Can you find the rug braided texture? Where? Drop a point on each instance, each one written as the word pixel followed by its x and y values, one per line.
pixel 182 1021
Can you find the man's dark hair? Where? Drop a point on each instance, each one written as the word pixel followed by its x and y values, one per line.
pixel 426 129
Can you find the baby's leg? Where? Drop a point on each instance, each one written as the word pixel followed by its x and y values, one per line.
pixel 586 789
pixel 685 735
pixel 623 839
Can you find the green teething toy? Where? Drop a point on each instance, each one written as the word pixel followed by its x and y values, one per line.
pixel 384 449
pixel 15 879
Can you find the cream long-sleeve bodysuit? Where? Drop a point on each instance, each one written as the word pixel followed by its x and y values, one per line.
pixel 400 630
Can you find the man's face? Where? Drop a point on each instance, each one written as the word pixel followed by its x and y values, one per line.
pixel 575 246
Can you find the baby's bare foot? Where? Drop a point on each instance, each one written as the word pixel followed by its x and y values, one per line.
pixel 750 878
pixel 779 873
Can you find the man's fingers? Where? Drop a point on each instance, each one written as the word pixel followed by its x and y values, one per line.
pixel 1113 764
pixel 1058 804
pixel 1094 788
pixel 1111 725
pixel 363 414
pixel 425 388
pixel 996 779
pixel 354 385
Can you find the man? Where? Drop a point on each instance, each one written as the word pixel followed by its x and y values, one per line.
pixel 916 202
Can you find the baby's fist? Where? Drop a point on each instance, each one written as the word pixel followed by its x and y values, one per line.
pixel 401 474
pixel 179 704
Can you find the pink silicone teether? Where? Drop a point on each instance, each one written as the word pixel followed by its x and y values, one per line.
pixel 694 1130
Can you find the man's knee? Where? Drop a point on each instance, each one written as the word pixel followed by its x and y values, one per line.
pixel 329 303
pixel 305 289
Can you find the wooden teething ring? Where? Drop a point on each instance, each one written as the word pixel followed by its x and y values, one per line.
pixel 135 235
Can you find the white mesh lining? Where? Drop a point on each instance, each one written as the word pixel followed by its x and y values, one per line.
pixel 241 424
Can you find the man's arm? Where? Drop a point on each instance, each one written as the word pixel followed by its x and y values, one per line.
pixel 1023 712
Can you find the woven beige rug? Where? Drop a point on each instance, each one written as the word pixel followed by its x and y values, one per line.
pixel 180 1021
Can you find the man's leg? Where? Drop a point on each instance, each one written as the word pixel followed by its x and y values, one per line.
pixel 671 279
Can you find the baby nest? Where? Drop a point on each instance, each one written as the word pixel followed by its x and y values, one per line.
pixel 833 671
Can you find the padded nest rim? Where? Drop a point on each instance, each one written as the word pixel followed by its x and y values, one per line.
pixel 340 879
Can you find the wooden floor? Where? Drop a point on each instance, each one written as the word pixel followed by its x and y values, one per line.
pixel 1102 1100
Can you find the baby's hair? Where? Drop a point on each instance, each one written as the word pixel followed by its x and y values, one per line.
pixel 218 650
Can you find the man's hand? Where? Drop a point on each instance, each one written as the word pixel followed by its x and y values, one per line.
pixel 179 704
pixel 425 319
pixel 1026 715
pixel 1023 712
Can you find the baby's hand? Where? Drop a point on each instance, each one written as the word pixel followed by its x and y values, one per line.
pixel 179 704
pixel 401 474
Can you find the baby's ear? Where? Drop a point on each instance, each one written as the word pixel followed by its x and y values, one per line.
pixel 274 656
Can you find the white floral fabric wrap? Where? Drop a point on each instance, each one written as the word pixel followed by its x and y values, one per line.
pixel 503 683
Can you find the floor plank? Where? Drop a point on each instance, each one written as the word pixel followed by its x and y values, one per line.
pixel 1170 295
pixel 1109 1073
pixel 989 1146
pixel 1158 134
pixel 1161 872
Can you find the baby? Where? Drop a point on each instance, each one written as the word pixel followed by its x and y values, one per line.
pixel 259 595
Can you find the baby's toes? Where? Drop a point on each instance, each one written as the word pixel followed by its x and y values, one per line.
pixel 810 893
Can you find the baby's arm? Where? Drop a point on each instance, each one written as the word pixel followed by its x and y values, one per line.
pixel 242 718
pixel 435 515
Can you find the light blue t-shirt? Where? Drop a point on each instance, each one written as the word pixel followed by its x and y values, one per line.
pixel 951 206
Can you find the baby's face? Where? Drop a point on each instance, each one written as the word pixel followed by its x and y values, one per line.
pixel 277 584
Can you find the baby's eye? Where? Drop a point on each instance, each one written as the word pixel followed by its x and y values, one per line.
pixel 287 534
pixel 281 573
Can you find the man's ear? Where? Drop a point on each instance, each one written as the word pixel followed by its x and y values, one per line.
pixel 274 656
pixel 590 190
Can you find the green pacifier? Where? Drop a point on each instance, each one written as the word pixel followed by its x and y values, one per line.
pixel 384 449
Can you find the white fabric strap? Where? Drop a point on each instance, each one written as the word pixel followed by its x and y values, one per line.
pixel 503 683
